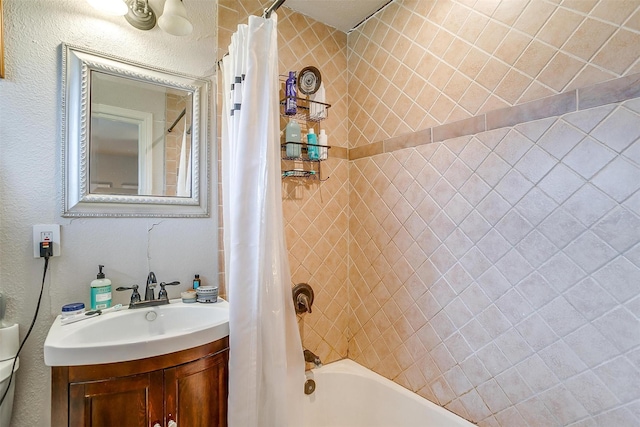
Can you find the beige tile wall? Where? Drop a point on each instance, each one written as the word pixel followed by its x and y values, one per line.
pixel 417 64
pixel 315 213
pixel 471 276
pixel 481 273
pixel 173 141
pixel 494 274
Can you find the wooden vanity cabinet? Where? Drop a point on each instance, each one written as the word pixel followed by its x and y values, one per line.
pixel 196 392
pixel 189 387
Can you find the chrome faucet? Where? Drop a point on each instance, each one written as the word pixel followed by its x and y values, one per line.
pixel 135 296
pixel 149 294
pixel 163 295
pixel 309 357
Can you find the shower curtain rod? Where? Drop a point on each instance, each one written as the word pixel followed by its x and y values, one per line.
pixel 276 4
pixel 266 14
pixel 175 122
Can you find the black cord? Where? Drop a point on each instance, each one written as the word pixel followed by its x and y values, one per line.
pixel 33 322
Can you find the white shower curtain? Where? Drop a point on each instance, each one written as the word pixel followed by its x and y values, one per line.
pixel 183 185
pixel 266 366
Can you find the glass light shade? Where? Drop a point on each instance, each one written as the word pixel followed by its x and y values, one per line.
pixel 110 7
pixel 174 19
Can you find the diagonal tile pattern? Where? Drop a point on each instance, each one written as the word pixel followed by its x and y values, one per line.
pixel 503 290
pixel 419 64
pixel 488 273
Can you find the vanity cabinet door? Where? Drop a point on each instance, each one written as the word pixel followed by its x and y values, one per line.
pixel 196 392
pixel 189 386
pixel 131 401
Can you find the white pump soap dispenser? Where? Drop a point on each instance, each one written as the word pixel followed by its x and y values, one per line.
pixel 100 291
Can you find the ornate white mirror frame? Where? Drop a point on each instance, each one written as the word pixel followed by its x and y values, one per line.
pixel 78 200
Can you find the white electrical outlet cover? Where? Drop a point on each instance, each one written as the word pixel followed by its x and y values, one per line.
pixel 43 230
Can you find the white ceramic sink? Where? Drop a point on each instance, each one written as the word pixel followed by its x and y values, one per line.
pixel 131 334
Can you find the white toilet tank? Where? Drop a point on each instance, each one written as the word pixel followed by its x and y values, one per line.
pixel 9 342
pixel 7 406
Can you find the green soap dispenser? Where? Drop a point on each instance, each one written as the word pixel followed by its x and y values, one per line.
pixel 100 291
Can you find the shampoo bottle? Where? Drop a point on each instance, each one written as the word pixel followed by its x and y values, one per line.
pixel 290 107
pixel 292 138
pixel 100 291
pixel 312 145
pixel 322 141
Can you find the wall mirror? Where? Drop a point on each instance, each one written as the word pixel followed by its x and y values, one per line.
pixel 135 139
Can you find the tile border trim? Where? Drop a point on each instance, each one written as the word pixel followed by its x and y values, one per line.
pixel 609 92
pixel 339 153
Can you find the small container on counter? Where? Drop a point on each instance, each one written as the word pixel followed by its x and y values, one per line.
pixel 188 296
pixel 196 281
pixel 207 294
pixel 72 309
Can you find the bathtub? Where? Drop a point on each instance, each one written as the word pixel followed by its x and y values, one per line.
pixel 349 395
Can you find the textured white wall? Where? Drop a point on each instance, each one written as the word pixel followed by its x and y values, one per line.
pixel 30 177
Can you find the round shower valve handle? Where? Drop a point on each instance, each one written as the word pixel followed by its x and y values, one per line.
pixel 302 298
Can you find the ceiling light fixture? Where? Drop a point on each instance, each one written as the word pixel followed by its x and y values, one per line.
pixel 140 15
pixel 174 19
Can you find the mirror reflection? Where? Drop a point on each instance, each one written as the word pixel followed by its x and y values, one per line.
pixel 135 139
pixel 140 138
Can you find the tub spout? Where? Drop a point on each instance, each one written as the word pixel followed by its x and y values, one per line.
pixel 309 357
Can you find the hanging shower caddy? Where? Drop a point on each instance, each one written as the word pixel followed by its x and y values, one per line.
pixel 304 108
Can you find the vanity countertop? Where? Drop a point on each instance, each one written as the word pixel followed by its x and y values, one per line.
pixel 132 334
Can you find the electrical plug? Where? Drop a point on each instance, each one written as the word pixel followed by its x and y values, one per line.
pixel 46 249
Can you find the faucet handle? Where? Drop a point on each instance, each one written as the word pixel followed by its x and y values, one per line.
pixel 302 298
pixel 303 303
pixel 135 296
pixel 163 291
pixel 170 283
